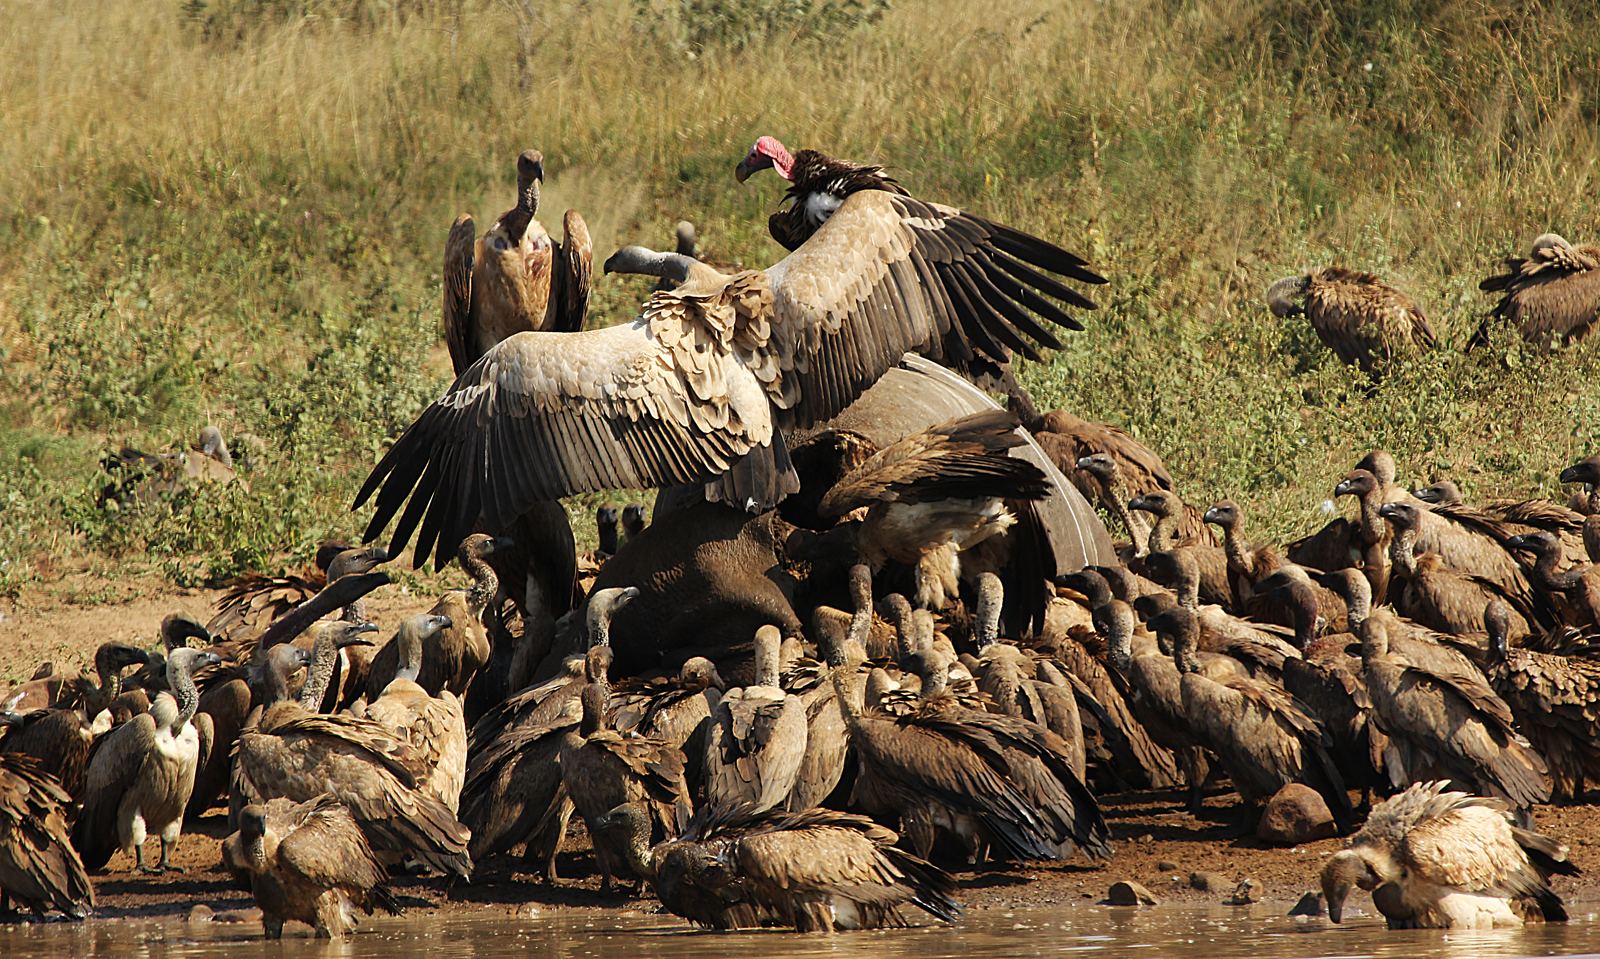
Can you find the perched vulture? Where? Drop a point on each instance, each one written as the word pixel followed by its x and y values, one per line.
pixel 515 277
pixel 1068 439
pixel 1553 295
pixel 1446 860
pixel 38 866
pixel 1356 315
pixel 700 386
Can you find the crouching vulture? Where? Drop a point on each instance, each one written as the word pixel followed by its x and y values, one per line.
pixel 38 866
pixel 1552 297
pixel 817 870
pixel 700 386
pixel 1356 315
pixel 1446 860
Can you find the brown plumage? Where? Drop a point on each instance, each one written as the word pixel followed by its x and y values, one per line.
pixel 515 277
pixel 935 494
pixel 1264 737
pixel 1447 599
pixel 758 736
pixel 699 387
pixel 252 601
pixel 1447 860
pixel 1068 439
pixel 1444 720
pixel 311 863
pixel 296 754
pixel 60 737
pixel 603 769
pixel 817 870
pixel 1586 501
pixel 1515 517
pixel 1552 297
pixel 1575 592
pixel 141 778
pixel 39 868
pixel 432 723
pixel 1247 565
pixel 1556 701
pixel 1359 317
pixel 1113 492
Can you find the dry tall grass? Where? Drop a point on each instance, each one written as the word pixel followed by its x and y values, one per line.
pixel 234 211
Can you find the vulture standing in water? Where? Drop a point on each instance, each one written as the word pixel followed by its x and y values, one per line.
pixel 433 725
pixel 1356 315
pixel 139 782
pixel 701 386
pixel 1446 860
pixel 758 736
pixel 935 495
pixel 309 862
pixel 1552 297
pixel 817 870
pixel 38 866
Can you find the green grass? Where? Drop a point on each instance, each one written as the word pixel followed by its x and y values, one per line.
pixel 233 212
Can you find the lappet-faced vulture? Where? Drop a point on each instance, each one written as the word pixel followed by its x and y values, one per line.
pixel 700 386
pixel 1359 317
pixel 1552 297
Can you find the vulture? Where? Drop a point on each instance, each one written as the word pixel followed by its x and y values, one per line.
pixel 39 868
pixel 59 737
pixel 1587 502
pixel 1576 592
pixel 757 738
pixel 1247 565
pixel 1114 494
pixel 252 601
pixel 633 521
pixel 309 862
pixel 934 495
pixel 139 781
pixel 515 277
pixel 1068 439
pixel 1452 600
pixel 1177 524
pixel 1556 701
pixel 296 754
pixel 433 725
pixel 702 384
pixel 53 690
pixel 1264 737
pixel 1447 860
pixel 737 867
pixel 1362 319
pixel 1552 297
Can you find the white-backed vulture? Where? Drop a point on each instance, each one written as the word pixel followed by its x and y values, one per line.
pixel 1264 737
pixel 1444 720
pixel 433 725
pixel 39 868
pixel 1556 701
pixel 1447 860
pixel 1362 319
pixel 1171 513
pixel 1449 599
pixel 602 769
pixel 934 495
pixel 296 754
pixel 60 737
pixel 1067 439
pixel 1575 592
pixel 1113 492
pixel 1259 648
pixel 140 780
pixel 309 862
pixel 633 521
pixel 514 278
pixel 1586 501
pixel 451 655
pixel 54 690
pixel 816 870
pixel 985 778
pixel 1247 565
pixel 701 385
pixel 252 601
pixel 1552 297
pixel 757 738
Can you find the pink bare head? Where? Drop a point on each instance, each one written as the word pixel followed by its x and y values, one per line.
pixel 767 152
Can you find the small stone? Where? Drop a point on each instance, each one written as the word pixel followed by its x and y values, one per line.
pixel 1129 894
pixel 1248 891
pixel 1310 904
pixel 1296 814
pixel 1208 881
pixel 1167 865
pixel 1145 839
pixel 201 913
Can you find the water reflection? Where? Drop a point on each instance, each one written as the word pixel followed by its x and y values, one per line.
pixel 1179 932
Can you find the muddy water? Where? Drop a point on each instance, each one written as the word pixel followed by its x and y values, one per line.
pixel 1167 932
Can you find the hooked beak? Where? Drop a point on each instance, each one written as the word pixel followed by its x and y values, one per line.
pixel 1570 475
pixel 751 163
pixel 504 542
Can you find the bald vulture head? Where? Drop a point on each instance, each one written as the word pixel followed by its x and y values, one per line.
pixel 1379 463
pixel 1402 516
pixel 1548 241
pixel 177 628
pixel 211 443
pixel 1585 471
pixel 1442 493
pixel 530 172
pixel 1283 295
pixel 1347 870
pixel 669 266
pixel 1359 484
pixel 686 239
pixel 602 606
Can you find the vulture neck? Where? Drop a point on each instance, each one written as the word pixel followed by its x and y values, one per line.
pixel 1164 533
pixel 1371 523
pixel 1358 603
pixel 1139 532
pixel 356 612
pixel 594 708
pixel 1303 602
pixel 1183 645
pixel 1119 639
pixel 1374 641
pixel 324 656
pixel 109 688
pixel 1234 548
pixel 181 678
pixel 1402 552
pixel 255 847
pixel 989 602
pixel 410 639
pixel 1545 575
pixel 766 659
pixel 608 538
pixel 935 679
pixel 846 683
pixel 484 585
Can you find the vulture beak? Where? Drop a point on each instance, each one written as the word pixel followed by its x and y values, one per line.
pixel 752 162
pixel 503 543
pixel 1570 475
pixel 1519 542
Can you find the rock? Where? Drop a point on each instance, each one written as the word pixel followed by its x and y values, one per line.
pixel 1129 894
pixel 1296 814
pixel 1248 891
pixel 1310 904
pixel 200 913
pixel 248 914
pixel 1208 881
pixel 1166 865
pixel 1146 839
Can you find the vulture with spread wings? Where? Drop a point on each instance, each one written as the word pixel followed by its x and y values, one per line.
pixel 701 385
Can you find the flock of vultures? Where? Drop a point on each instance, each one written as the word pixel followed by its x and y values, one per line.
pixel 874 623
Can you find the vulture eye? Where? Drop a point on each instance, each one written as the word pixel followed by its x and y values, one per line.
pixel 498 244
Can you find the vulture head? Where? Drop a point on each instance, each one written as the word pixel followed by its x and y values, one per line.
pixel 1401 516
pixel 1088 582
pixel 479 545
pixel 1283 294
pixel 530 172
pixel 115 657
pixel 1103 468
pixel 1585 471
pixel 178 627
pixel 1497 624
pixel 1540 543
pixel 1160 503
pixel 633 522
pixel 210 443
pixel 1351 586
pixel 1225 514
pixel 643 261
pixel 1548 241
pixel 686 239
pixel 1114 622
pixel 767 153
pixel 1442 493
pixel 1347 870
pixel 1380 463
pixel 327 551
pixel 356 562
pixel 1359 484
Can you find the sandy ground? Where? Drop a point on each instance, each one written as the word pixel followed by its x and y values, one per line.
pixel 1157 844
